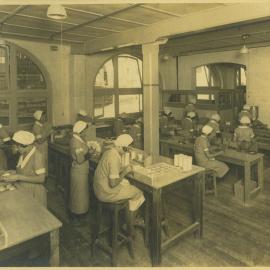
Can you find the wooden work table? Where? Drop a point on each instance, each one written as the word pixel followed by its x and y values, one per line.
pixel 154 194
pixel 170 146
pixel 22 218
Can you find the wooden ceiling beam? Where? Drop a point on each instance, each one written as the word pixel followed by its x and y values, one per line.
pixel 13 13
pixel 44 29
pixel 97 19
pixel 35 37
pixel 161 10
pixel 112 17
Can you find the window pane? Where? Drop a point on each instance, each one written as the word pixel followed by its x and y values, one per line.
pixel 26 108
pixel 105 77
pixel 29 75
pixel 129 72
pixel 105 106
pixel 4 112
pixel 243 77
pixel 130 103
pixel 202 73
pixel 4 75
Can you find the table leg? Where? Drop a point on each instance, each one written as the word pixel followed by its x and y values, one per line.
pixel 247 180
pixel 54 248
pixel 260 173
pixel 199 181
pixel 156 227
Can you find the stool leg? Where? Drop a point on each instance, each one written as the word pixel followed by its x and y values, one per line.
pixel 115 236
pixel 129 231
pixel 215 184
pixel 96 229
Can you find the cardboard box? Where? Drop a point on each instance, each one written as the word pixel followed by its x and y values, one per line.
pixel 239 189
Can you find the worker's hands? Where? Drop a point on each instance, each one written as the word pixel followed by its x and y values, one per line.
pixel 10 177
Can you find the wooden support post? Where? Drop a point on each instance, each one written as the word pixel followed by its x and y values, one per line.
pixel 151 97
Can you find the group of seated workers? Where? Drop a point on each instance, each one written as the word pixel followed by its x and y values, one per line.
pixel 210 141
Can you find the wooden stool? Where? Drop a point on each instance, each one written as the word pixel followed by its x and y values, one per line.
pixel 210 176
pixel 117 238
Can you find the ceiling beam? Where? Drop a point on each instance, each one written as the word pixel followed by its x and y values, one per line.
pixel 194 22
pixel 97 19
pixel 161 10
pixel 63 22
pixel 112 17
pixel 13 13
pixel 44 29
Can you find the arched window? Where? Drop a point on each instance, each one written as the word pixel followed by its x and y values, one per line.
pixel 118 87
pixel 24 87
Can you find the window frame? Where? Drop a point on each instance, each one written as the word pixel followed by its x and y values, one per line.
pixel 14 94
pixel 116 90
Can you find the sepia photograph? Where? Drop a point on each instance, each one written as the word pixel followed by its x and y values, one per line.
pixel 134 133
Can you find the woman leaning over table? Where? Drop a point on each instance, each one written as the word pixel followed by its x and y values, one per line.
pixel 109 182
pixel 30 171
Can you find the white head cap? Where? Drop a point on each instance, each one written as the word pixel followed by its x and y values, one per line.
pixel 123 140
pixel 139 120
pixel 246 107
pixel 216 117
pixel 207 129
pixel 245 120
pixel 23 137
pixel 37 114
pixel 79 126
pixel 82 113
pixel 191 114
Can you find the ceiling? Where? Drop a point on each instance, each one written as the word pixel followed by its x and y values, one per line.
pixel 93 21
pixel 88 22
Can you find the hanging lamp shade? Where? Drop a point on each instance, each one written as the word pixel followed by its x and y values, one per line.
pixel 57 12
pixel 244 49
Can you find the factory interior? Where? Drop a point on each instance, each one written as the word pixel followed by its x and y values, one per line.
pixel 134 134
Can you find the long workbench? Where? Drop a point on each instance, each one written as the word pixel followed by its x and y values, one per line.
pixel 171 146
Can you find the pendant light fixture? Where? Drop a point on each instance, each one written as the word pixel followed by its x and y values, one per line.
pixel 244 48
pixel 57 12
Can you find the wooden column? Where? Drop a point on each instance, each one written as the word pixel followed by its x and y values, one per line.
pixel 151 97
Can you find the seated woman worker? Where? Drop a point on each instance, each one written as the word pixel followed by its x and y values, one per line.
pixel 30 171
pixel 204 157
pixel 244 136
pixel 109 182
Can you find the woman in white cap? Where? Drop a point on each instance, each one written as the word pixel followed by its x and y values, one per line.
pixel 188 125
pixel 244 136
pixel 245 112
pixel 109 182
pixel 79 184
pixel 136 132
pixel 214 123
pixel 4 138
pixel 30 170
pixel 90 132
pixel 42 130
pixel 204 157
